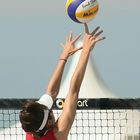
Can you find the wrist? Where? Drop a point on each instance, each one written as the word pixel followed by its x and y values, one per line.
pixel 86 51
pixel 62 59
pixel 64 56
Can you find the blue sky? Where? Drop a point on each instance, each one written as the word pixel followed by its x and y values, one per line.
pixel 30 34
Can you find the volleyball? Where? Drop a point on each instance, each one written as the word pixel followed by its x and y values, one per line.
pixel 82 11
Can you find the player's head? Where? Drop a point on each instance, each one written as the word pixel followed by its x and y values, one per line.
pixel 36 118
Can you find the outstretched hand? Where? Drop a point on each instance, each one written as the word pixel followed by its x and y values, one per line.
pixel 90 39
pixel 69 47
pixel 95 33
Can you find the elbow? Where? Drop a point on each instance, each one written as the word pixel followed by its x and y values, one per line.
pixel 52 92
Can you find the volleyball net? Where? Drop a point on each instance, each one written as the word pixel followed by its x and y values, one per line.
pixel 96 119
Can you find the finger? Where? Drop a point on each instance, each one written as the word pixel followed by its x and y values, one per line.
pixel 86 28
pixel 76 38
pixel 74 51
pixel 100 39
pixel 94 31
pixel 77 49
pixel 67 39
pixel 70 36
pixel 96 35
pixel 62 45
pixel 71 53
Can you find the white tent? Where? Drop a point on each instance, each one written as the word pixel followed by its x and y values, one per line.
pixel 93 86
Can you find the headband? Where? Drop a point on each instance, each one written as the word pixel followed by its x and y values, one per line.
pixel 46 114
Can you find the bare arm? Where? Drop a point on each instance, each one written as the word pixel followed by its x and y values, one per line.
pixel 55 81
pixel 67 117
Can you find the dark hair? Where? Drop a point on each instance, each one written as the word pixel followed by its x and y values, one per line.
pixel 31 117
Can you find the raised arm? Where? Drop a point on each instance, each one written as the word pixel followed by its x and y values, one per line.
pixel 55 81
pixel 67 117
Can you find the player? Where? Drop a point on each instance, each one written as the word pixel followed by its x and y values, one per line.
pixel 37 118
